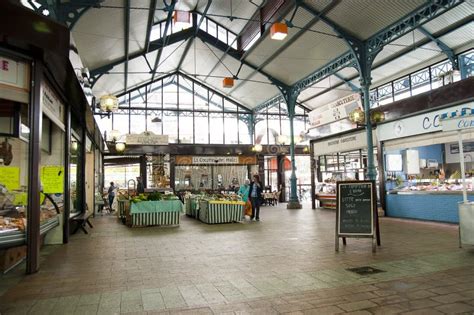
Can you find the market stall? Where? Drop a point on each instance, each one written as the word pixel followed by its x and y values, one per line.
pixel 149 213
pixel 220 211
pixel 422 170
pixel 342 157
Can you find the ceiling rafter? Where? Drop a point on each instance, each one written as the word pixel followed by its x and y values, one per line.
pixel 170 9
pixel 289 42
pixel 196 27
pixel 151 20
pixel 448 30
pixel 372 46
pixel 127 41
pixel 448 51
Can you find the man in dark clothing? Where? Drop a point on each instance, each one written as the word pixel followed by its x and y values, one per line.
pixel 255 192
pixel 111 192
pixel 140 187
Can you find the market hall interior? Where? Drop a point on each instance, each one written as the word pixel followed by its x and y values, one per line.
pixel 234 156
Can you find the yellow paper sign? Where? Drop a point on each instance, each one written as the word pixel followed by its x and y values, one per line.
pixel 52 179
pixel 21 199
pixel 10 177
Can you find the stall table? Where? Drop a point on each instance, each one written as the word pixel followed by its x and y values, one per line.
pixel 215 211
pixel 191 204
pixel 327 201
pixel 149 213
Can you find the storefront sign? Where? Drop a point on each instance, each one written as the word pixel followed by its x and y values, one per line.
pixel 146 138
pixel 12 73
pixel 347 142
pixel 335 111
pixel 416 125
pixel 458 123
pixel 215 160
pixel 52 179
pixel 52 106
pixel 10 177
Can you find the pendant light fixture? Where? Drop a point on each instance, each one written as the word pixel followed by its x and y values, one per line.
pixel 228 82
pixel 278 31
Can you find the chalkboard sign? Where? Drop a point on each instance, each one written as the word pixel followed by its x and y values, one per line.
pixel 356 210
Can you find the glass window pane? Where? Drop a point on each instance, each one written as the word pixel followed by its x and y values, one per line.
pixel 298 125
pixel 261 129
pixel 273 128
pixel 154 126
pixel 222 34
pixel 217 130
pixel 137 122
pixel 275 108
pixel 203 24
pixel 170 94
pixel 401 88
pixel 138 98
pixel 186 127
pixel 244 135
pixel 202 128
pixel 212 28
pixel 420 81
pixel 170 125
pixel 215 102
pixel 285 126
pixel 200 98
pixel 154 95
pixel 185 94
pixel 105 124
pixel 121 122
pixel 298 110
pixel 230 123
pixel 385 94
pixel 232 40
pixel 155 32
pixel 229 106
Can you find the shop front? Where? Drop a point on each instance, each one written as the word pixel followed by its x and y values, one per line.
pixel 213 173
pixel 41 141
pixel 338 158
pixel 421 166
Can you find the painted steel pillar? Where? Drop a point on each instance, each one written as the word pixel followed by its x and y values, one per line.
pixel 294 202
pixel 371 171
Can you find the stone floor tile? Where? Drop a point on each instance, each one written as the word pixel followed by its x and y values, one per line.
pixel 86 309
pixel 450 298
pixel 323 310
pixel 456 308
pixel 424 311
pixel 355 306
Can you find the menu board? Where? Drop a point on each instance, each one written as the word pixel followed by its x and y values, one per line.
pixel 10 177
pixel 355 208
pixel 52 179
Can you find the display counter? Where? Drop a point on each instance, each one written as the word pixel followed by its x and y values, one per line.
pixel 428 205
pixel 17 237
pixel 150 213
pixel 327 201
pixel 216 211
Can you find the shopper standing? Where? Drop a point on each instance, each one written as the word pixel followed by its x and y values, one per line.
pixel 244 191
pixel 140 187
pixel 255 197
pixel 111 192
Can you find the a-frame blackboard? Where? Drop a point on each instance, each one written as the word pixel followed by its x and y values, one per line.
pixel 356 211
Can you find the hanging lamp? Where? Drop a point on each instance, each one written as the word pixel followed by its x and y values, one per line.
pixel 278 31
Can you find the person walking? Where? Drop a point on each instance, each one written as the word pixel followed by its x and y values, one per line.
pixel 244 191
pixel 255 197
pixel 111 193
pixel 140 186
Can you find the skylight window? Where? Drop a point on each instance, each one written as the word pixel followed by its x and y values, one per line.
pixel 155 32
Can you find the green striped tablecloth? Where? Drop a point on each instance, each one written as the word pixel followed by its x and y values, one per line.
pixel 192 207
pixel 220 212
pixel 163 212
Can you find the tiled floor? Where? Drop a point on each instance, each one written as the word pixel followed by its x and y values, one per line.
pixel 284 264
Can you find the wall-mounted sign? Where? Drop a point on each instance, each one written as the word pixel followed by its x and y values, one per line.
pixel 215 160
pixel 52 106
pixel 146 138
pixel 344 143
pixel 458 123
pixel 335 111
pixel 416 125
pixel 14 80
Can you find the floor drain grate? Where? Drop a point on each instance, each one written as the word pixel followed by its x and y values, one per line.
pixel 365 270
